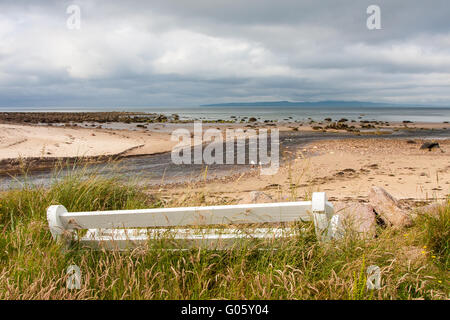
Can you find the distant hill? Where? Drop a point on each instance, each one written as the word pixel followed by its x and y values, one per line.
pixel 328 103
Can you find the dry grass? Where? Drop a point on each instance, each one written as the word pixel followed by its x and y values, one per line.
pixel 413 262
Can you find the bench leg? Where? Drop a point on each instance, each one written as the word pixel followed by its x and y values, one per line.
pixel 322 212
pixel 57 228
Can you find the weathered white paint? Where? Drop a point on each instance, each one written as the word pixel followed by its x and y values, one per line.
pixel 62 222
pixel 184 238
pixel 322 213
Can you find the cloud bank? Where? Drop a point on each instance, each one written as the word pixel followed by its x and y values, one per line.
pixel 186 53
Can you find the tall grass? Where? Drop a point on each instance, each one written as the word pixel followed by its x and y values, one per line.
pixel 435 230
pixel 79 190
pixel 414 262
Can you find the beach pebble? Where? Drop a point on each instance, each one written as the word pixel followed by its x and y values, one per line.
pixel 386 206
pixel 429 145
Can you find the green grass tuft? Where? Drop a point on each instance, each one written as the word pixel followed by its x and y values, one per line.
pixel 413 262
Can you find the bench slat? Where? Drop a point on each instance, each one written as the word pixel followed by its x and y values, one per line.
pixel 217 239
pixel 172 217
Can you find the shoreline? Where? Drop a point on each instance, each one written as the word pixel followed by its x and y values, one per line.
pixel 33 147
pixel 345 169
pixel 343 164
pixel 336 158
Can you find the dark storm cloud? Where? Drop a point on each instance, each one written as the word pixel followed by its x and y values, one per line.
pixel 138 53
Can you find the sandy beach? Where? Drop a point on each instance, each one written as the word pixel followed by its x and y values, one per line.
pixel 47 142
pixel 44 143
pixel 19 140
pixel 345 169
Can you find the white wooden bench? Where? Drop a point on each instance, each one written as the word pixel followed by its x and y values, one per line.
pixel 119 229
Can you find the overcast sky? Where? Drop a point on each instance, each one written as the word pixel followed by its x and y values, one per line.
pixel 191 52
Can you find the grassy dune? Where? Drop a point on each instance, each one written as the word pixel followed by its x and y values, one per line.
pixel 414 262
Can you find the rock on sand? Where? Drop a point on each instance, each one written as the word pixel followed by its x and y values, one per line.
pixel 386 206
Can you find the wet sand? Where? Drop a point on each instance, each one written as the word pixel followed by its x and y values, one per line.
pixel 345 169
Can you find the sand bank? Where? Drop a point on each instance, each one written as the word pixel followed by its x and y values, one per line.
pixel 346 169
pixel 46 142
